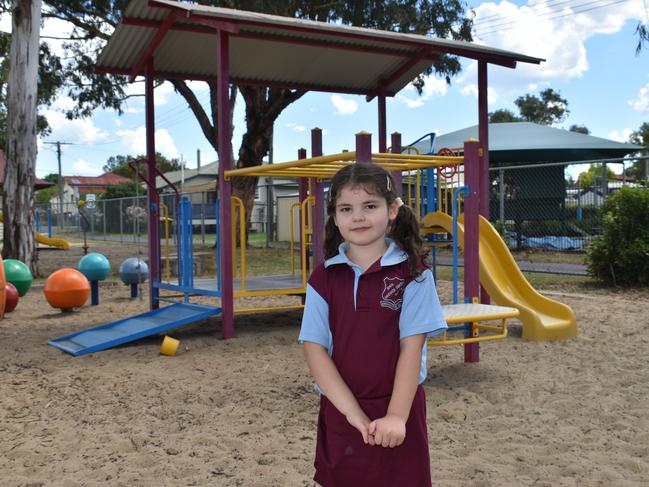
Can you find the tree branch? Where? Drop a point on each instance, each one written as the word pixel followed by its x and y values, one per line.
pixel 197 109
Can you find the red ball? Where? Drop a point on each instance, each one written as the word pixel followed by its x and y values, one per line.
pixel 11 297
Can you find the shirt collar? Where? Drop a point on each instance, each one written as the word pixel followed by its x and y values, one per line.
pixel 392 256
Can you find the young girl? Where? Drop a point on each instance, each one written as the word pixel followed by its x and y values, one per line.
pixel 368 311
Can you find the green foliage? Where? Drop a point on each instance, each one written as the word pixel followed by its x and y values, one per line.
pixel 123 165
pixel 594 176
pixel 122 191
pixel 639 170
pixel 580 129
pixel 502 116
pixel 642 31
pixel 44 196
pixel 620 256
pixel 547 109
pixel 52 178
pixel 50 80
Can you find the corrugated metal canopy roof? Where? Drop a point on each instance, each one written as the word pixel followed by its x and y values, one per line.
pixel 278 51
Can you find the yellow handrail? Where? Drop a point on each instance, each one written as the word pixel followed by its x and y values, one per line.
pixel 165 213
pixel 242 239
pixel 306 231
pixel 501 332
pixel 292 240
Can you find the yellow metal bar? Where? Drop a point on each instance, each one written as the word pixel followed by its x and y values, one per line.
pixel 259 170
pixel 165 215
pixel 476 338
pixel 306 231
pixel 242 240
pixel 268 308
pixel 268 292
pixel 292 240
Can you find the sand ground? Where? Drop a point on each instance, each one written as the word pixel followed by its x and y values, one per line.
pixel 242 412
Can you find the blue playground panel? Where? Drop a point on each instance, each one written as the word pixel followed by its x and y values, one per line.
pixel 127 330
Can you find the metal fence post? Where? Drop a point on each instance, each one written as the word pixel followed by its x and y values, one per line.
pixel 121 220
pixel 501 196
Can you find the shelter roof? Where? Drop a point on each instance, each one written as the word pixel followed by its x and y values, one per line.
pixel 530 142
pixel 270 50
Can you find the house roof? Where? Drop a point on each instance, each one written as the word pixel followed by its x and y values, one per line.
pixel 106 179
pixel 270 50
pixel 517 142
pixel 210 170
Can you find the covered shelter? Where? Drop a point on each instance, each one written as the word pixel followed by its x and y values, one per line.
pixel 164 39
pixel 524 142
pixel 535 193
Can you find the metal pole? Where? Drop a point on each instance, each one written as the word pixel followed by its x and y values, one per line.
pixel 58 156
pixel 225 187
pixel 501 189
pixel 121 220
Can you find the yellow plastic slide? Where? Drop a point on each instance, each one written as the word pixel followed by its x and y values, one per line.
pixel 542 318
pixel 42 239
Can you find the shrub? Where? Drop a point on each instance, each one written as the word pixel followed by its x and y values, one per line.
pixel 620 256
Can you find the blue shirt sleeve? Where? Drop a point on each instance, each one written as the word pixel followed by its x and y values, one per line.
pixel 421 311
pixel 315 320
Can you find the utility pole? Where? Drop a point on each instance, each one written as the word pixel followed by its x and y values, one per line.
pixel 60 181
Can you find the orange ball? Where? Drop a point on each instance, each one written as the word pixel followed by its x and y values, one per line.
pixel 66 289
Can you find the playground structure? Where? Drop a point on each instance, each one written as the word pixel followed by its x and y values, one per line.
pixel 47 240
pixel 375 63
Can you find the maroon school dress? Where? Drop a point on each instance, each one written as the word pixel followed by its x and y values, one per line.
pixel 365 351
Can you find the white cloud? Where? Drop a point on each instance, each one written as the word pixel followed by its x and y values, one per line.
pixel 620 137
pixel 472 90
pixel 641 102
pixel 344 106
pixel 78 131
pixel 432 87
pixel 554 32
pixel 135 140
pixel 84 168
pixel 296 127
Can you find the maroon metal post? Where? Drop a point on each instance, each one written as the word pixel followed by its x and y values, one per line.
pixel 152 194
pixel 395 142
pixel 483 134
pixel 318 209
pixel 471 235
pixel 225 188
pixel 383 130
pixel 363 147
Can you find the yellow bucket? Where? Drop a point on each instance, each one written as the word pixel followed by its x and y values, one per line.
pixel 169 346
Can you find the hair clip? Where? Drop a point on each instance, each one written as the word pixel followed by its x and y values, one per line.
pixel 389 183
pixel 399 202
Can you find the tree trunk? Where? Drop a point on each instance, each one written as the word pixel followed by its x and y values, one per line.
pixel 18 194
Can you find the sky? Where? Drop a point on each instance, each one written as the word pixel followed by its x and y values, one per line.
pixel 589 47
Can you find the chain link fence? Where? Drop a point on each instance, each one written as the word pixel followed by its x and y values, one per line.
pixel 540 206
pixel 125 219
pixel 549 206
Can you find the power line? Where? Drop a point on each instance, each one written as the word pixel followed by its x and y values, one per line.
pixel 550 4
pixel 511 23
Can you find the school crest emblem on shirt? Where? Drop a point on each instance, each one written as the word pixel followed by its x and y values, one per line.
pixel 392 296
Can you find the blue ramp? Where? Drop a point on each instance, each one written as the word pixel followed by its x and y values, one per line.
pixel 133 328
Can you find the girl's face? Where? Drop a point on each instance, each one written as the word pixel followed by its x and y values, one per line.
pixel 361 217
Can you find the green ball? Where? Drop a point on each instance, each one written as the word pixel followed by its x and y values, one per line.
pixel 19 275
pixel 94 266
